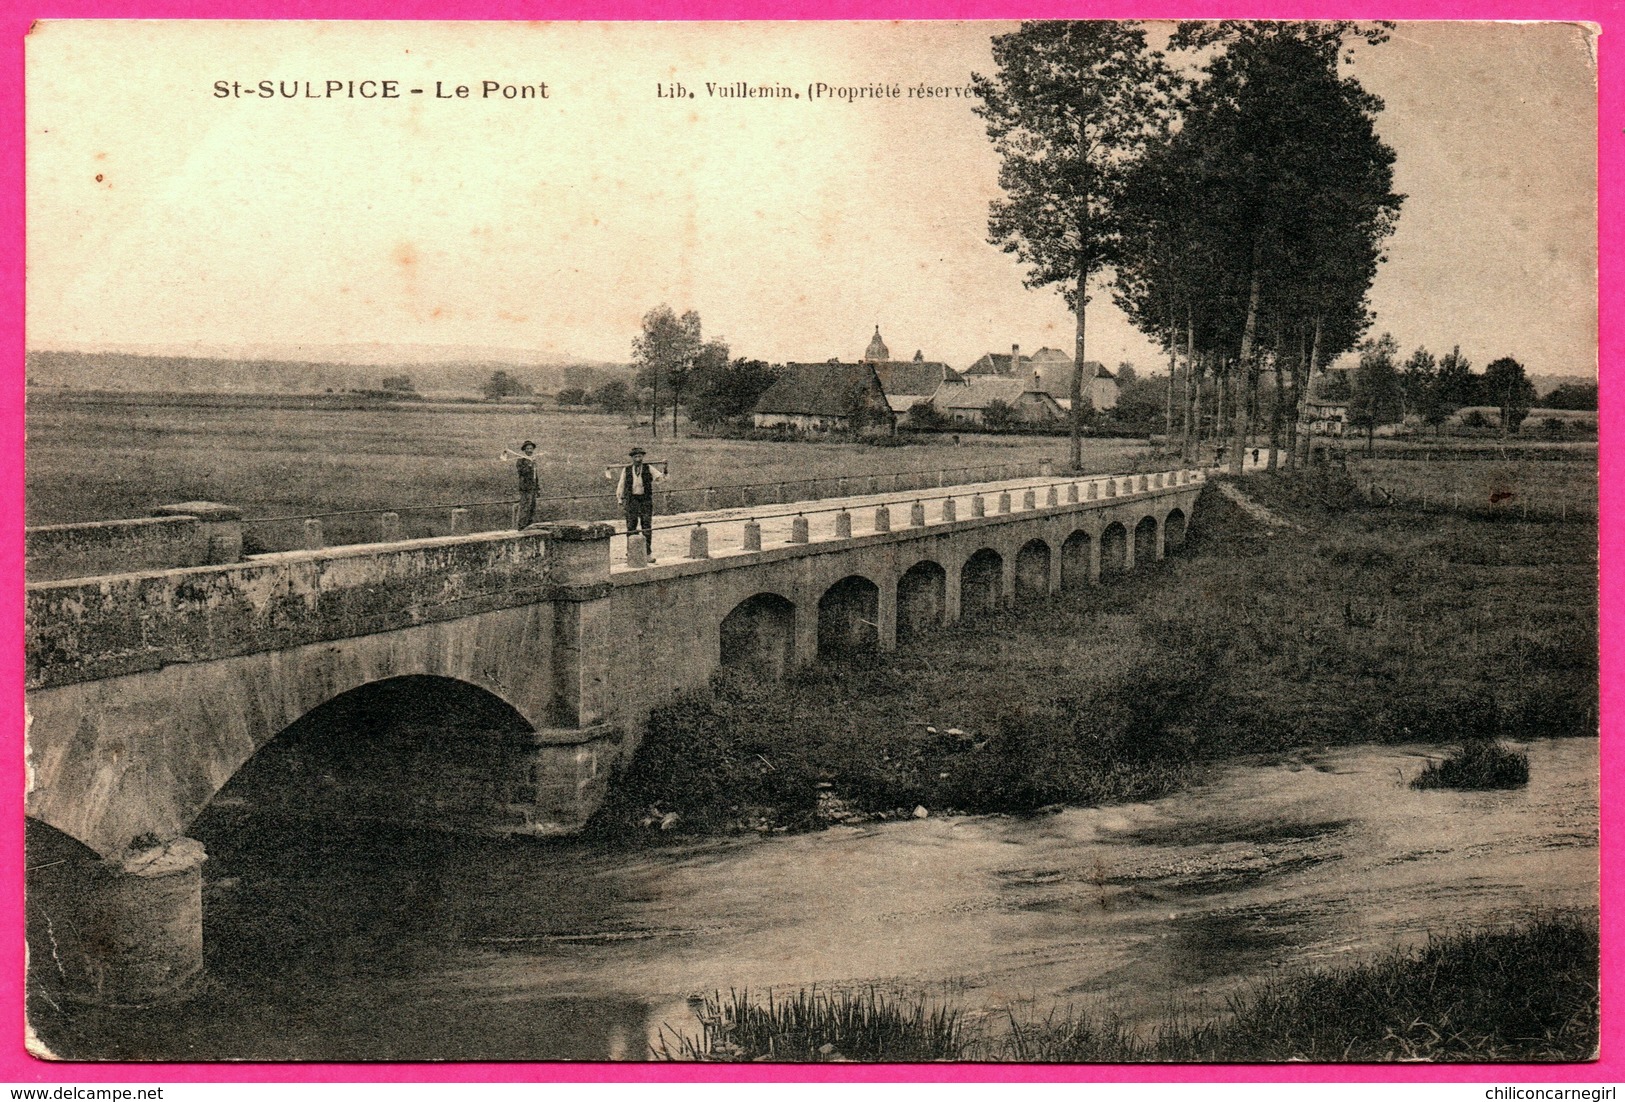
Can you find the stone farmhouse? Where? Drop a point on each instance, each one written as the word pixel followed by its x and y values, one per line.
pixel 1051 370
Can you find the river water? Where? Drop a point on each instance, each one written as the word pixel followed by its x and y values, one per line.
pixel 330 948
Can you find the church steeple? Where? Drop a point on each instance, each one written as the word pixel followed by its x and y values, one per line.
pixel 877 351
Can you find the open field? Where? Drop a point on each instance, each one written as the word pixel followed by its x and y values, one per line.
pixel 1557 488
pixel 1364 625
pixel 99 459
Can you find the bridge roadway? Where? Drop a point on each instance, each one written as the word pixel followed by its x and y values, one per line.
pixel 725 528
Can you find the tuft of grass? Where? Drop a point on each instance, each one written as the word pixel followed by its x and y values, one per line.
pixel 1524 993
pixel 815 1026
pixel 1479 764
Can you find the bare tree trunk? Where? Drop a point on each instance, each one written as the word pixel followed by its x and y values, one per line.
pixel 1247 333
pixel 1296 409
pixel 1275 409
pixel 1308 381
pixel 1191 388
pixel 1173 368
pixel 1077 376
pixel 1222 407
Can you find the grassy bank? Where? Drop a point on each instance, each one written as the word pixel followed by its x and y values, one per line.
pixel 1365 625
pixel 1527 993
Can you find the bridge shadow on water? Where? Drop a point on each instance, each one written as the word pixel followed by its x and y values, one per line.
pixel 332 934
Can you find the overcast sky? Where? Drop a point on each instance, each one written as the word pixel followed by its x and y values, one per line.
pixel 162 215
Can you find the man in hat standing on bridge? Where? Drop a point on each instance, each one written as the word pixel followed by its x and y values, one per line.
pixel 635 490
pixel 525 464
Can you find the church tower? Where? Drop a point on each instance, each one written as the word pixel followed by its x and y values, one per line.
pixel 877 351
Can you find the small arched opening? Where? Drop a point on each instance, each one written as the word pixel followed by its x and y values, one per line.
pixel 1173 530
pixel 922 597
pixel 1032 571
pixel 1113 550
pixel 849 617
pixel 759 637
pixel 981 583
pixel 1145 542
pixel 1075 562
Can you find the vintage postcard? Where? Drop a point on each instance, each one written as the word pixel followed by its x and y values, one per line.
pixel 990 542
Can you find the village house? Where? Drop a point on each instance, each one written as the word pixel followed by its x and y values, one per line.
pixel 1052 370
pixel 910 382
pixel 826 397
pixel 967 403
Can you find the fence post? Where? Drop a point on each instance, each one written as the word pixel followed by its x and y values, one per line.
pixel 313 535
pixel 699 542
pixel 798 529
pixel 459 522
pixel 1072 493
pixel 978 507
pixel 753 536
pixel 882 519
pixel 1111 488
pixel 637 554
pixel 1053 496
pixel 1004 501
pixel 389 527
pixel 916 514
pixel 1029 500
pixel 950 510
pixel 1143 483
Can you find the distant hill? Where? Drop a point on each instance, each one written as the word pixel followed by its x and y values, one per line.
pixel 109 370
pixel 1545 384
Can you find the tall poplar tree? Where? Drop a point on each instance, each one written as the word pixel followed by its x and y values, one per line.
pixel 1070 107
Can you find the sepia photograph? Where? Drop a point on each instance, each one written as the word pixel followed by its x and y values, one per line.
pixel 1050 542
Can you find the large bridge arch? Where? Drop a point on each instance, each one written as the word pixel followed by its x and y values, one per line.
pixel 981 583
pixel 922 599
pixel 759 636
pixel 142 754
pixel 849 617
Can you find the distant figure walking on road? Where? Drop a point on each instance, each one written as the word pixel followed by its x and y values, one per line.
pixel 635 490
pixel 526 466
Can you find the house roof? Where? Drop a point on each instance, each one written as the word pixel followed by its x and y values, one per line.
pixel 900 377
pixel 819 390
pixel 994 363
pixel 978 391
pixel 1057 381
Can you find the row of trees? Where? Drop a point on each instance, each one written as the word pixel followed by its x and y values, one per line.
pixel 1383 391
pixel 1238 204
pixel 676 365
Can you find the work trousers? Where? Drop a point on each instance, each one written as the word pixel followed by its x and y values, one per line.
pixel 641 511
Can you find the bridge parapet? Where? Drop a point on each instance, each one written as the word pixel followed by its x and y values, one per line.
pixel 85 629
pixel 194 533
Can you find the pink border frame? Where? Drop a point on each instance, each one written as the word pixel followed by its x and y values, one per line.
pixel 17 1066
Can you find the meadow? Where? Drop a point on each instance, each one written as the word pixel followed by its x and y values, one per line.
pixel 112 456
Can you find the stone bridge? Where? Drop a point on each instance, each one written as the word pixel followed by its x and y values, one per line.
pixel 150 687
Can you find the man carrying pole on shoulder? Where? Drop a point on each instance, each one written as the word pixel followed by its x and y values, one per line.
pixel 634 489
